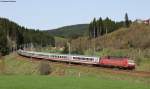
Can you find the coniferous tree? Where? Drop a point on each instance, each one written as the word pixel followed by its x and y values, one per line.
pixel 90 30
pixel 66 49
pixel 94 28
pixel 107 25
pixel 98 27
pixel 4 49
pixel 101 27
pixel 127 22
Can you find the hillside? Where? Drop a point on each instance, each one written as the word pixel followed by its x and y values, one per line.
pixel 69 31
pixel 14 36
pixel 133 42
pixel 97 25
pixel 136 36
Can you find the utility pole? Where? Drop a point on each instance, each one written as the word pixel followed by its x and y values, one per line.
pixel 31 45
pixel 69 46
pixel 106 30
pixel 94 39
pixel 41 45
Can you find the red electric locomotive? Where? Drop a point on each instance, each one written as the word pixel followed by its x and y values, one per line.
pixel 121 62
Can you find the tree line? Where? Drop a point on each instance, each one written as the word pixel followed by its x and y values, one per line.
pixel 14 36
pixel 99 27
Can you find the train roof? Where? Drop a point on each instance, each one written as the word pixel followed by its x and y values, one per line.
pixel 59 54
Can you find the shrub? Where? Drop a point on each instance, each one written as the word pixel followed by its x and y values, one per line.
pixel 45 68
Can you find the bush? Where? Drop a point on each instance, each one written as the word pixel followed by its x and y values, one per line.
pixel 45 68
pixel 138 61
pixel 66 49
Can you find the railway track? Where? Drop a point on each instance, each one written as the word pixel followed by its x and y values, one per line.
pixel 142 73
pixel 127 72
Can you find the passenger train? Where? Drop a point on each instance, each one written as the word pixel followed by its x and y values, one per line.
pixel 120 62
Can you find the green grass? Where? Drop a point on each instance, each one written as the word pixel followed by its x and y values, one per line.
pixel 144 65
pixel 16 65
pixel 47 82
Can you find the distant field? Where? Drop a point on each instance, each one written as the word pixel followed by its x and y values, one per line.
pixel 47 82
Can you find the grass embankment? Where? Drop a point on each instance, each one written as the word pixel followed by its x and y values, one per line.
pixel 64 76
pixel 13 64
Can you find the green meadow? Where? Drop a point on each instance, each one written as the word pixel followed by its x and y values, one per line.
pixel 48 82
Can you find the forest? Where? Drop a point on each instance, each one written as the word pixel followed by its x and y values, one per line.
pixel 101 26
pixel 14 36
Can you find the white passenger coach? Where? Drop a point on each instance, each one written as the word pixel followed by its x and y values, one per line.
pixel 61 57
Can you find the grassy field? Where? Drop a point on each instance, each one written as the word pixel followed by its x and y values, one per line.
pixel 23 73
pixel 47 82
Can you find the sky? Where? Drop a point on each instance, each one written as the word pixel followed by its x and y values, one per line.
pixel 51 14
